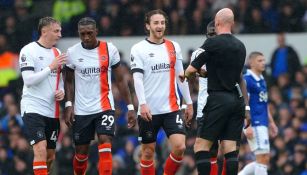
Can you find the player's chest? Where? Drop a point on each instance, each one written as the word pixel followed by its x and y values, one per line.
pixel 43 60
pixel 157 60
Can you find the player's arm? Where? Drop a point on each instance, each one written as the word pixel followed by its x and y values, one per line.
pixel 27 69
pixel 122 85
pixel 195 66
pixel 184 89
pixel 272 125
pixel 69 95
pixel 243 88
pixel 137 69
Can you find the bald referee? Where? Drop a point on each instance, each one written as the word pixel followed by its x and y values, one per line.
pixel 224 56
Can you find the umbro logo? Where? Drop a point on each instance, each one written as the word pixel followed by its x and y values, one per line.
pixel 41 58
pixel 151 55
pixel 80 59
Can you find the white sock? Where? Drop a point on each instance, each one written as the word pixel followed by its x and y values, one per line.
pixel 249 169
pixel 261 169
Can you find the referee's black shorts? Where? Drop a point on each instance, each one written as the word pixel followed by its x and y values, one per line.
pixel 223 116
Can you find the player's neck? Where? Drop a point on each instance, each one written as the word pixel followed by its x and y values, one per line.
pixel 155 40
pixel 44 43
pixel 258 73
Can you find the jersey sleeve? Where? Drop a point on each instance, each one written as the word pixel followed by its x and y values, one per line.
pixel 69 61
pixel 114 55
pixel 136 61
pixel 248 83
pixel 178 51
pixel 200 60
pixel 26 60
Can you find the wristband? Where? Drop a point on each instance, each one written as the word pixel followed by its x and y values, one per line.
pixel 130 107
pixel 247 108
pixel 68 103
pixel 184 106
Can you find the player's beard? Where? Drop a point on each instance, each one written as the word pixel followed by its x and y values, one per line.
pixel 158 35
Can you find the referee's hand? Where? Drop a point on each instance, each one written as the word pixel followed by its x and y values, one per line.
pixel 145 112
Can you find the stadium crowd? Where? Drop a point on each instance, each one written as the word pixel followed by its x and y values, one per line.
pixel 287 91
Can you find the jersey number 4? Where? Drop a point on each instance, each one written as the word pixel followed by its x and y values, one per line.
pixel 179 120
pixel 54 136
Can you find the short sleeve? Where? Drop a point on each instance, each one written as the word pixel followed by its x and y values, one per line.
pixel 69 61
pixel 26 60
pixel 248 83
pixel 114 55
pixel 196 53
pixel 200 60
pixel 178 51
pixel 136 61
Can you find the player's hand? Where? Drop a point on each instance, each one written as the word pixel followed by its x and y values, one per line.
pixel 145 112
pixel 59 95
pixel 181 76
pixel 273 129
pixel 188 115
pixel 249 133
pixel 69 116
pixel 58 61
pixel 247 119
pixel 131 118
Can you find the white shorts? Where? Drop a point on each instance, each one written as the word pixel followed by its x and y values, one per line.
pixel 260 144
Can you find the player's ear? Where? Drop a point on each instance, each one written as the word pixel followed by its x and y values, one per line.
pixel 147 27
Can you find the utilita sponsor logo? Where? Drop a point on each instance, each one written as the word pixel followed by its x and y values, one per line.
pixel 94 70
pixel 162 66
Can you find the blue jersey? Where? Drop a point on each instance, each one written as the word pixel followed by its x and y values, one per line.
pixel 258 98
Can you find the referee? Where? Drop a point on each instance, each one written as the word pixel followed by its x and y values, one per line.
pixel 224 56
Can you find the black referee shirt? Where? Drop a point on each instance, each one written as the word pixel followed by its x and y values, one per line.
pixel 224 57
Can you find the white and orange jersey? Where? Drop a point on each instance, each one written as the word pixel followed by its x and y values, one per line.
pixel 93 92
pixel 157 63
pixel 39 98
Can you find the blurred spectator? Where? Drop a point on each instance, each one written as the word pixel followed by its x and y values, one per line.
pixel 269 15
pixel 256 23
pixel 177 25
pixel 25 21
pixel 136 16
pixel 197 23
pixel 6 163
pixel 11 118
pixel 10 31
pixel 8 63
pixel 284 59
pixel 291 21
pixel 105 27
pixel 64 156
pixel 64 10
